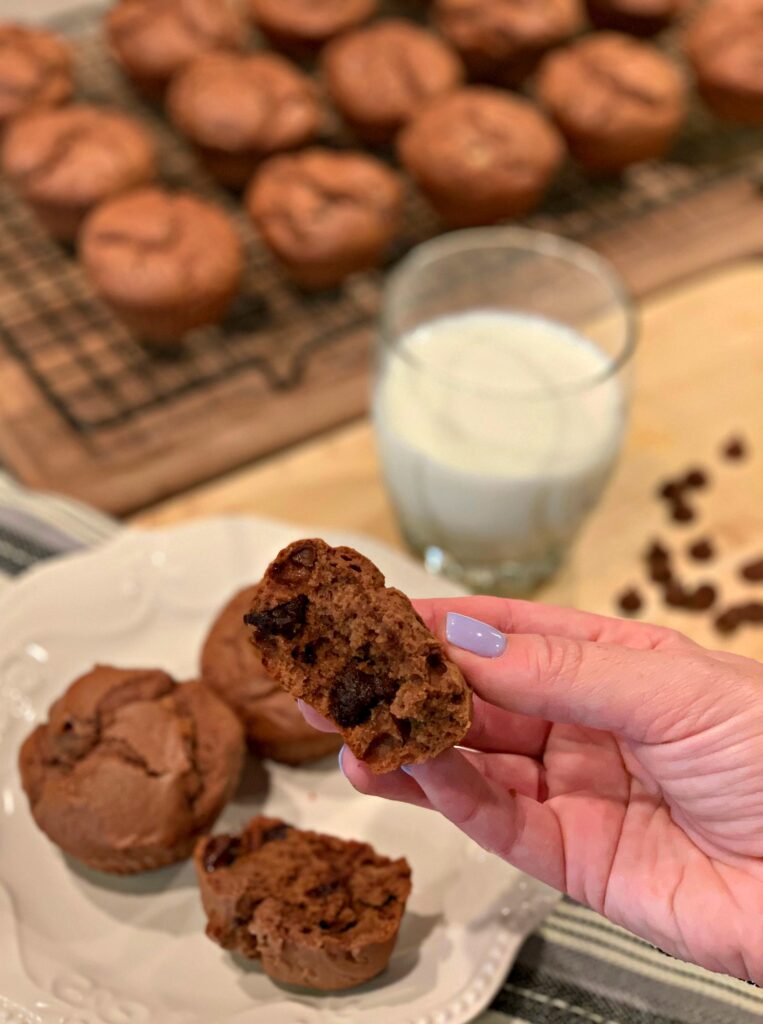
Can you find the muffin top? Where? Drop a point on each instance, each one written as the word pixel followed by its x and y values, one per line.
pixel 154 38
pixel 480 140
pixel 150 247
pixel 380 75
pixel 726 39
pixel 77 155
pixel 499 28
pixel 318 202
pixel 308 20
pixel 229 662
pixel 609 83
pixel 35 70
pixel 235 103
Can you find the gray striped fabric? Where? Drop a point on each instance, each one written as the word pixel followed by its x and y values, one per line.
pixel 575 968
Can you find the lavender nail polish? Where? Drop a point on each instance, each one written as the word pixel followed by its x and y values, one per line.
pixel 339 760
pixel 475 636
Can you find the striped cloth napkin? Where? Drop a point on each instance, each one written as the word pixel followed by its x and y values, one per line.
pixel 575 968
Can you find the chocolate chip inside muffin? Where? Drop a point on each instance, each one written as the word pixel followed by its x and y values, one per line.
pixel 35 70
pixel 238 109
pixel 331 633
pixel 617 101
pixel 325 214
pixel 232 668
pixel 131 768
pixel 318 911
pixel 379 76
pixel 302 26
pixel 64 162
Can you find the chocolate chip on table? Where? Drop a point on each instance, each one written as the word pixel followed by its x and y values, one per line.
pixel 671 490
pixel 221 852
pixel 656 552
pixel 737 615
pixel 695 478
pixel 675 595
pixel 702 550
pixel 700 599
pixel 356 693
pixel 753 611
pixel 680 512
pixel 660 572
pixel 735 448
pixel 287 619
pixel 752 571
pixel 630 601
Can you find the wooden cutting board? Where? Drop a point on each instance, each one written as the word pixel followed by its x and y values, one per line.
pixel 87 410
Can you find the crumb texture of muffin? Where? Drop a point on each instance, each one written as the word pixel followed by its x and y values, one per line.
pixel 233 669
pixel 317 911
pixel 481 155
pixel 333 634
pixel 616 100
pixel 502 39
pixel 131 768
pixel 379 76
pixel 638 17
pixel 66 160
pixel 239 108
pixel 35 70
pixel 724 44
pixel 325 214
pixel 304 25
pixel 167 262
pixel 153 39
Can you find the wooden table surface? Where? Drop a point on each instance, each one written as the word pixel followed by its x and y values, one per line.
pixel 699 379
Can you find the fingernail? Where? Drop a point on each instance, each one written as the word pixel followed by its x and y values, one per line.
pixel 409 769
pixel 301 705
pixel 475 636
pixel 339 759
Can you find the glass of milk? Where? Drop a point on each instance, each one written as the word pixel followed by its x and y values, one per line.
pixel 500 400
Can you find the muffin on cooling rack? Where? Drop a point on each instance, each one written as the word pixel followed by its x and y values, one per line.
pixel 637 17
pixel 166 262
pixel 35 70
pixel 302 26
pixel 239 108
pixel 502 40
pixel 152 39
pixel 724 44
pixel 325 214
pixel 617 101
pixel 65 161
pixel 379 76
pixel 481 155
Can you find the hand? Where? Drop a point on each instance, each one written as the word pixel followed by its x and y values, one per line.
pixel 619 762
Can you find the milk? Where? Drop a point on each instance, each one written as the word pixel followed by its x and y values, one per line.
pixel 497 432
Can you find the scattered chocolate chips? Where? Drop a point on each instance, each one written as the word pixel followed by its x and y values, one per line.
pixel 753 571
pixel 221 852
pixel 702 550
pixel 657 552
pixel 675 595
pixel 734 449
pixel 681 512
pixel 701 598
pixel 287 619
pixel 737 615
pixel 356 693
pixel 630 601
pixel 670 490
pixel 695 478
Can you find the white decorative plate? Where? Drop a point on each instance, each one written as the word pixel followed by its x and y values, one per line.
pixel 77 947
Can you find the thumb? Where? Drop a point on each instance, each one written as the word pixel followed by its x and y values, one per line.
pixel 647 695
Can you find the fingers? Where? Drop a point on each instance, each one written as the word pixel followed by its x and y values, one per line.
pixel 495 729
pixel 392 786
pixel 315 718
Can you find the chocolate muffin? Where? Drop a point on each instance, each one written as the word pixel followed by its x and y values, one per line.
pixel 153 39
pixel 239 108
pixel 331 633
pixel 65 161
pixel 481 155
pixel 638 17
pixel 318 911
pixel 35 70
pixel 166 262
pixel 131 768
pixel 233 669
pixel 617 101
pixel 379 76
pixel 724 44
pixel 325 214
pixel 303 26
pixel 503 39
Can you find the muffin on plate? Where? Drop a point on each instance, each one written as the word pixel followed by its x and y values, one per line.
pixel 379 76
pixel 503 39
pixel 239 108
pixel 617 101
pixel 166 262
pixel 232 668
pixel 325 214
pixel 131 768
pixel 35 70
pixel 637 17
pixel 317 911
pixel 65 161
pixel 724 44
pixel 481 155
pixel 303 26
pixel 152 39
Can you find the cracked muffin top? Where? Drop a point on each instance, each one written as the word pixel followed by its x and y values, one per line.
pixel 131 767
pixel 35 70
pixel 292 22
